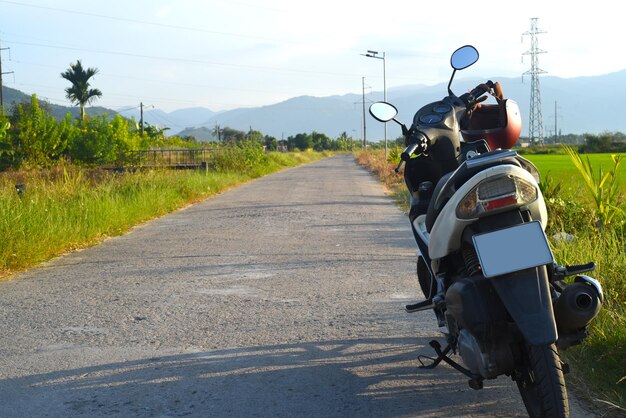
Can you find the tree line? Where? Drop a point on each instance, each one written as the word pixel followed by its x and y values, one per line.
pixel 31 136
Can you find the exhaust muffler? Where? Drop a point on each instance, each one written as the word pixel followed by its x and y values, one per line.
pixel 577 305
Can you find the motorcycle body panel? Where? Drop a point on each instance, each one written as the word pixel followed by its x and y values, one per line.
pixel 523 296
pixel 445 236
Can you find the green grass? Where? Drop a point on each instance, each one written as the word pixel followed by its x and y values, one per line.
pixel 67 208
pixel 560 168
pixel 599 365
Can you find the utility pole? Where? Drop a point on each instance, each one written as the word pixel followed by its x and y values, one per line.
pixel 141 118
pixel 364 113
pixel 1 85
pixel 364 129
pixel 556 133
pixel 536 119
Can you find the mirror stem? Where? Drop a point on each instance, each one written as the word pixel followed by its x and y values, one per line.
pixel 450 83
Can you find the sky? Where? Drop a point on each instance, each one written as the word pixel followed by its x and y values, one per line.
pixel 226 54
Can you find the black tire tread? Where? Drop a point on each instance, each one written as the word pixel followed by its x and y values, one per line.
pixel 548 374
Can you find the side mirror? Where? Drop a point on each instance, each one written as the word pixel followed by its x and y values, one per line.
pixel 383 111
pixel 464 57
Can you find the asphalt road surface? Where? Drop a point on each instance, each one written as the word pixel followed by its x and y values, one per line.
pixel 283 297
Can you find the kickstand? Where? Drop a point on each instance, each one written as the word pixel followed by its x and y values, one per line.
pixel 441 355
pixel 476 381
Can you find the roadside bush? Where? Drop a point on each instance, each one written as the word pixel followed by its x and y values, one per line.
pixel 100 141
pixel 7 154
pixel 37 136
pixel 244 156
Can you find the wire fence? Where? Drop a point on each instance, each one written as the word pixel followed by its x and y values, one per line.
pixel 172 158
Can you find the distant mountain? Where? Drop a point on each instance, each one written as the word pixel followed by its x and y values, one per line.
pixel 13 97
pixel 583 105
pixel 301 114
pixel 177 120
pixel 201 134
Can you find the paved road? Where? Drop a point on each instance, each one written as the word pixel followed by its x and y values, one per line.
pixel 283 297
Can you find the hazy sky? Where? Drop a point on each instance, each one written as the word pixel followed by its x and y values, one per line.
pixel 224 54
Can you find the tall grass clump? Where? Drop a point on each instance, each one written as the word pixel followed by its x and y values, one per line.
pixel 67 210
pixel 602 186
pixel 384 170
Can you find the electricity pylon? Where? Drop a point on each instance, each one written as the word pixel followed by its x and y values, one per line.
pixel 535 127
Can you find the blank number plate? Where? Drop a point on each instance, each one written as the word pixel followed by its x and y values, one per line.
pixel 512 249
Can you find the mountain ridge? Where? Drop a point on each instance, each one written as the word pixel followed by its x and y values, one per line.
pixel 13 97
pixel 586 104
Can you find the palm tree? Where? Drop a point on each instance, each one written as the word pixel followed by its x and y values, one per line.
pixel 80 92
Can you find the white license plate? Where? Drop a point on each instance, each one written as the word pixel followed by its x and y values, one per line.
pixel 513 249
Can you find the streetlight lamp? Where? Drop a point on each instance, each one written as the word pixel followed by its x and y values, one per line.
pixel 374 54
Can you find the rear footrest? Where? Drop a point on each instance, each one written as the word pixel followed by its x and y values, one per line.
pixel 420 306
pixel 564 271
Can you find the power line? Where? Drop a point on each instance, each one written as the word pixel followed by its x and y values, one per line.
pixel 161 82
pixel 176 27
pixel 161 117
pixel 188 60
pixel 128 109
pixel 145 22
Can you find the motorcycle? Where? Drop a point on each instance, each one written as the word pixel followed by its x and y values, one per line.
pixel 484 262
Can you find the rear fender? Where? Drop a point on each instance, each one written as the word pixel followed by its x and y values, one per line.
pixel 526 296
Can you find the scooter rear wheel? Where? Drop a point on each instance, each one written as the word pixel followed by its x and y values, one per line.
pixel 543 385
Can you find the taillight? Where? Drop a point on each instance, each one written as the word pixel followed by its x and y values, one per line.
pixel 496 194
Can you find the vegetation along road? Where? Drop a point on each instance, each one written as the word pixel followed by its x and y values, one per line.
pixel 283 297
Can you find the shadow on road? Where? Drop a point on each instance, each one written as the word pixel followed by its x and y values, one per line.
pixel 365 377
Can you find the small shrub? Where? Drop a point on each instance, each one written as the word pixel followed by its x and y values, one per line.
pixel 38 137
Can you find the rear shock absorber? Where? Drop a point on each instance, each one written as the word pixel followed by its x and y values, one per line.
pixel 470 257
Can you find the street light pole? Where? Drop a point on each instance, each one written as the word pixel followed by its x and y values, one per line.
pixel 374 54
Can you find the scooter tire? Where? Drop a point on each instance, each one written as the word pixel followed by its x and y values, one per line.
pixel 543 385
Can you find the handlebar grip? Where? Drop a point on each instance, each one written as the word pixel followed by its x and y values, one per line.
pixel 419 144
pixel 481 89
pixel 408 151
